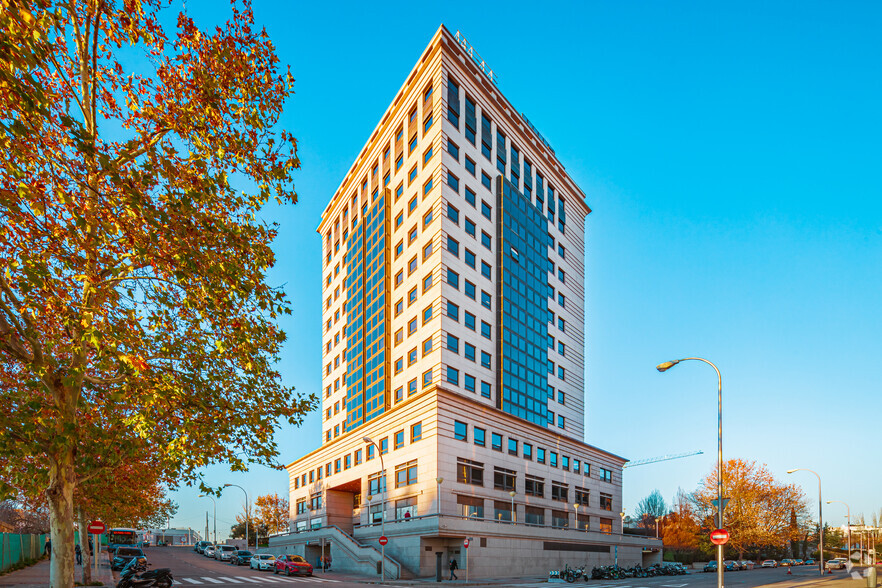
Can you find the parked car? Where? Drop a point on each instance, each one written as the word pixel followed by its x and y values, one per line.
pixel 746 564
pixel 208 551
pixel 810 562
pixel 292 565
pixel 262 561
pixel 837 563
pixel 711 566
pixel 200 546
pixel 240 557
pixel 798 562
pixel 124 555
pixel 224 552
pixel 769 563
pixel 786 562
pixel 730 565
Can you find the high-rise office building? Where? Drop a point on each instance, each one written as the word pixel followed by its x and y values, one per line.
pixel 453 346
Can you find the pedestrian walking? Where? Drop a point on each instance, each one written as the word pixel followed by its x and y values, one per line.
pixel 79 552
pixel 47 549
pixel 453 567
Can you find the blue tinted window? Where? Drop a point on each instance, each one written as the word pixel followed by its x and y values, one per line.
pixel 485 180
pixel 453 182
pixel 485 269
pixel 469 196
pixel 485 329
pixel 485 299
pixel 470 165
pixel 453 311
pixel 453 376
pixel 469 351
pixel 453 278
pixel 485 359
pixel 453 149
pixel 470 289
pixel 486 210
pixel 486 240
pixel 470 227
pixel 453 246
pixel 452 214
pixel 452 343
pixel 469 383
pixel 485 389
pixel 470 258
pixel 469 320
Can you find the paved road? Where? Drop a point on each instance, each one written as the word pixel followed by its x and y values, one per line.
pixel 191 569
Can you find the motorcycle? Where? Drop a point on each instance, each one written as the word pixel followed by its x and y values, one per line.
pixel 135 575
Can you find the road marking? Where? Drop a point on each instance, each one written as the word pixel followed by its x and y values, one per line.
pixel 247 579
pixel 191 580
pixel 270 580
pixel 674 585
pixel 230 580
pixel 211 580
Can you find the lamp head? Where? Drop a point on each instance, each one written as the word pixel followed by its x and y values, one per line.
pixel 439 480
pixel 512 493
pixel 367 439
pixel 663 367
pixel 791 471
pixel 227 485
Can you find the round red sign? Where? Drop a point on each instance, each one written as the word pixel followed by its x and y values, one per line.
pixel 719 536
pixel 96 527
pixel 465 543
pixel 384 540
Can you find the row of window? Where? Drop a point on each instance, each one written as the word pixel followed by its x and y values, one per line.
pixel 353 459
pixel 471 472
pixel 525 450
pixel 522 178
pixel 472 507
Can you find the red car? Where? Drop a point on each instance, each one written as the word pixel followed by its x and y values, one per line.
pixel 292 565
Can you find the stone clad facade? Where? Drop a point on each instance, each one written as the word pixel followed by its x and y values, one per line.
pixel 453 346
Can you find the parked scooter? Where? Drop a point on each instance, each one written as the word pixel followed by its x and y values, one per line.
pixel 135 575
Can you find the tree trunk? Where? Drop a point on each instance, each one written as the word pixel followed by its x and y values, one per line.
pixel 61 520
pixel 84 548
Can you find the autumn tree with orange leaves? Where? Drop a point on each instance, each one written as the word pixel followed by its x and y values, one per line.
pixel 135 312
pixel 759 510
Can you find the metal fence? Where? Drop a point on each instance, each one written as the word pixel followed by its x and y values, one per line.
pixel 15 548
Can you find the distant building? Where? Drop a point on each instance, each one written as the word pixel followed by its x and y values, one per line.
pixel 172 536
pixel 453 342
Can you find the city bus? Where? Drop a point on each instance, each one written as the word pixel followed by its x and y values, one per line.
pixel 123 537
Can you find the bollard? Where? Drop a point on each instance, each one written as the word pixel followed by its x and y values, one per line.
pixel 871 577
pixel 438 571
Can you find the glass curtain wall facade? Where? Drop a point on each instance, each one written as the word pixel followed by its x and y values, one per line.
pixel 367 326
pixel 523 314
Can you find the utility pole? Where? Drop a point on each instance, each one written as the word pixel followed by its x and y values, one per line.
pixel 206 524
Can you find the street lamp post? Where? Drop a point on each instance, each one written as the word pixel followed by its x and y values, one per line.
pixel 247 518
pixel 512 494
pixel 848 519
pixel 663 367
pixel 657 520
pixel 622 516
pixel 367 439
pixel 215 514
pixel 576 508
pixel 439 480
pixel 820 515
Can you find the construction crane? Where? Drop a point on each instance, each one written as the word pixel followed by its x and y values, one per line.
pixel 668 457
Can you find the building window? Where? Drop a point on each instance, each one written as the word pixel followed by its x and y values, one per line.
pixel 427 347
pixel 558 492
pixel 469 472
pixel 358 458
pixel 486 210
pixel 470 351
pixel 453 311
pixel 512 447
pixel 485 359
pixel 406 508
pixel 371 450
pixel 416 432
pixel 453 214
pixel 496 442
pixel 470 258
pixel 565 462
pixel 470 290
pixel 583 496
pixel 606 526
pixel 470 506
pixel 552 459
pixel 485 300
pixel 540 455
pixel 376 484
pixel 470 165
pixel 486 240
pixel 384 445
pixel 504 479
pixel 315 501
pixel 502 511
pixel 427 379
pixel 559 519
pixel 453 376
pixel 406 474
pixel 534 486
pixel 576 465
pixel 453 246
pixel 347 462
pixel 469 383
pixel 453 182
pixel 605 475
pixel 411 388
pixel 470 196
pixel 485 180
pixel 453 149
pixel 460 431
pixel 470 227
pixel 399 439
pixel 534 516
pixel 605 501
pixel 485 389
pixel 528 451
pixel 452 343
pixel 453 278
pixel 486 270
pixel 427 315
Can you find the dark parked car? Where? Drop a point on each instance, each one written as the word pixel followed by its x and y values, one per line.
pixel 711 566
pixel 124 555
pixel 241 557
pixel 200 546
pixel 292 565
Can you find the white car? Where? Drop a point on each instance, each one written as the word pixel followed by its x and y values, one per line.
pixel 224 552
pixel 263 561
pixel 837 563
pixel 208 551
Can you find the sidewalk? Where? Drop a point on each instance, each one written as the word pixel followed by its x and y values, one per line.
pixel 461 581
pixel 37 575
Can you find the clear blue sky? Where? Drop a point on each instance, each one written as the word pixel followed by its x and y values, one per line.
pixel 731 154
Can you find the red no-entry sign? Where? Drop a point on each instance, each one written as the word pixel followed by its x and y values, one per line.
pixel 384 540
pixel 96 527
pixel 465 543
pixel 719 537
